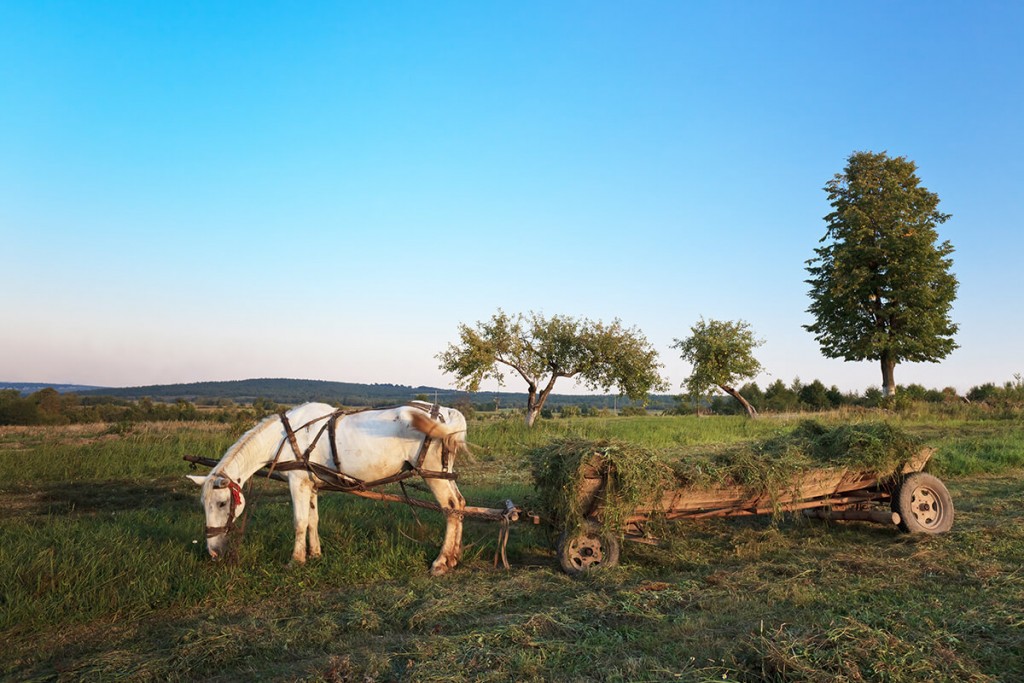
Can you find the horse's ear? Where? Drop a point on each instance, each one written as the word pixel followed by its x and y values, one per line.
pixel 196 479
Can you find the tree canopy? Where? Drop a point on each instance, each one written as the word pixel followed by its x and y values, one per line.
pixel 541 350
pixel 722 354
pixel 881 286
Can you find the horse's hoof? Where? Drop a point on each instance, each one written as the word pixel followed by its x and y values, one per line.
pixel 441 567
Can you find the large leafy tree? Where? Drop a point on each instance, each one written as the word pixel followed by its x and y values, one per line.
pixel 541 350
pixel 722 355
pixel 881 286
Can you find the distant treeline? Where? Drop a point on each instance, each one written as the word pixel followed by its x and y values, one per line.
pixel 295 391
pixel 289 391
pixel 48 406
pixel 780 397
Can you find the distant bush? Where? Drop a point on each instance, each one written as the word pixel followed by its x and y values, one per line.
pixel 466 407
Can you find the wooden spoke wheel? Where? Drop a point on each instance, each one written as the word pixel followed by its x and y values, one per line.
pixel 924 505
pixel 587 549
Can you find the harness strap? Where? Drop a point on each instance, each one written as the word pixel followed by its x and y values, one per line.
pixel 332 424
pixel 435 414
pixel 336 479
pixel 291 436
pixel 339 481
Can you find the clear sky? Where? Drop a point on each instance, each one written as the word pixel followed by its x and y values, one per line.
pixel 222 190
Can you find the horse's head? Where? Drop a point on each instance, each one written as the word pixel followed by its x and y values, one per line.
pixel 223 501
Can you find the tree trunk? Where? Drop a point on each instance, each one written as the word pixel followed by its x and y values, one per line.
pixel 888 366
pixel 532 408
pixel 535 404
pixel 751 413
pixel 531 415
pixel 535 401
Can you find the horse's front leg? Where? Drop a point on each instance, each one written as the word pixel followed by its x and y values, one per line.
pixel 314 524
pixel 302 491
pixel 453 504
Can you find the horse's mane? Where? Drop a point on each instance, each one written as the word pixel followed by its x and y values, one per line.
pixel 245 439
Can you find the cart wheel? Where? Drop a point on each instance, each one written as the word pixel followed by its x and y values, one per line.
pixel 924 505
pixel 587 549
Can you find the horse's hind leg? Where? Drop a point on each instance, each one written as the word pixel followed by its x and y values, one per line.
pixel 452 503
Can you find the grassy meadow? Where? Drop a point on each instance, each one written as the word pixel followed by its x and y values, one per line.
pixel 104 575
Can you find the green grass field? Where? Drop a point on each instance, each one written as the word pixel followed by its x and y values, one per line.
pixel 104 576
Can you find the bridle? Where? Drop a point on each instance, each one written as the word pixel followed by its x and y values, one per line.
pixel 236 500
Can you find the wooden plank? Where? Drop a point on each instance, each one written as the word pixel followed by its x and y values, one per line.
pixel 878 516
pixel 744 512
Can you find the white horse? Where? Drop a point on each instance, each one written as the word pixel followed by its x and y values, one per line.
pixel 370 445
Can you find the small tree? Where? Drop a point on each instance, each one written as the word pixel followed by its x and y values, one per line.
pixel 541 350
pixel 722 354
pixel 780 398
pixel 881 286
pixel 569 411
pixel 815 396
pixel 873 397
pixel 835 397
pixel 752 392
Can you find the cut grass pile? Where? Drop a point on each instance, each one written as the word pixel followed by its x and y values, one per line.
pixel 768 466
pixel 764 466
pixel 560 470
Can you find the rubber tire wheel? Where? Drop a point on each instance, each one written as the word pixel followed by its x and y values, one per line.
pixel 587 549
pixel 924 505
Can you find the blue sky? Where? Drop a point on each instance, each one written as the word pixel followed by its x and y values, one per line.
pixel 221 190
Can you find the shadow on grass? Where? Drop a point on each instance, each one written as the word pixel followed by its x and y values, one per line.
pixel 107 496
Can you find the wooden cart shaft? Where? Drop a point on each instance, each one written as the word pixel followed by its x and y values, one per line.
pixel 510 512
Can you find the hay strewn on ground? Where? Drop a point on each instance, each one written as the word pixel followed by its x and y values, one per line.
pixel 766 466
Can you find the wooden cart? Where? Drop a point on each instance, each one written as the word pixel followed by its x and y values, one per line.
pixel 914 501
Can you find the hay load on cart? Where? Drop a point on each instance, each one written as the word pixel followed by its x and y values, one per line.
pixel 598 492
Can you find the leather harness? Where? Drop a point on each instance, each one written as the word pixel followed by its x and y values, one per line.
pixel 335 479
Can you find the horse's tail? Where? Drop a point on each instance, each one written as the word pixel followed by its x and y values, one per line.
pixel 454 439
